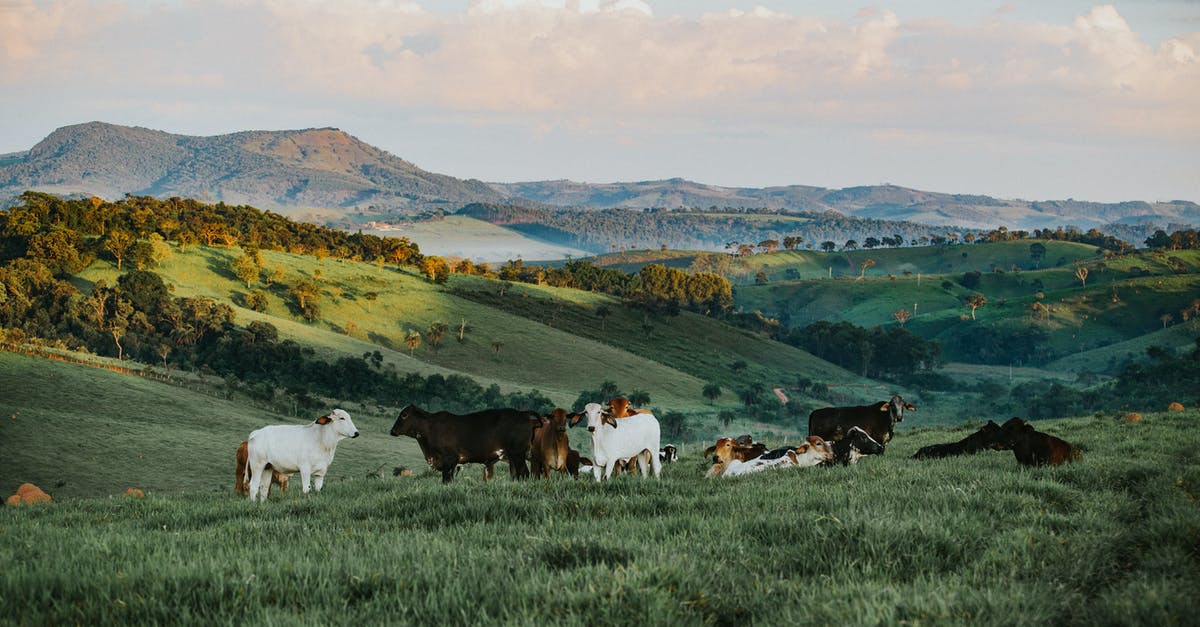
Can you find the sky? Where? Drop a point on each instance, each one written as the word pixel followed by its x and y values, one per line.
pixel 1032 100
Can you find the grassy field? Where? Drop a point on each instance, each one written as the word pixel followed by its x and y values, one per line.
pixel 1114 539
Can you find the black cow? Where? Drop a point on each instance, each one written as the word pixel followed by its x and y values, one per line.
pixel 856 444
pixel 878 420
pixel 484 437
pixel 986 437
pixel 668 454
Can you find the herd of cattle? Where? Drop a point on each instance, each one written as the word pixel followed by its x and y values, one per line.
pixel 622 439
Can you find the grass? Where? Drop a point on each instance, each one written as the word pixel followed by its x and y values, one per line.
pixel 1110 540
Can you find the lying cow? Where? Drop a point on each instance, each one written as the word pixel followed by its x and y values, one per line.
pixel 306 449
pixel 809 453
pixel 241 485
pixel 878 420
pixel 484 437
pixel 1034 448
pixel 984 438
pixel 727 450
pixel 855 445
pixel 668 454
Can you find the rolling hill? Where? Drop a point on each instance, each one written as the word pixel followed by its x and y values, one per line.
pixel 306 168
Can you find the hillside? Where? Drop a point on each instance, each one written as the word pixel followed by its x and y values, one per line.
pixel 270 169
pixel 466 237
pixel 883 202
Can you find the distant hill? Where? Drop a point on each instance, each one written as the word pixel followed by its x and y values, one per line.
pixel 883 202
pixel 269 169
pixel 329 169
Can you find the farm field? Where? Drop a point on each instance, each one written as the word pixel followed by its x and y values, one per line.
pixel 1109 540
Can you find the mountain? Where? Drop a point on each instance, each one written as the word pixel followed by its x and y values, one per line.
pixel 328 168
pixel 322 167
pixel 883 202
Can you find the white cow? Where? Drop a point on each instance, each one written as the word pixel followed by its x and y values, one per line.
pixel 620 438
pixel 306 449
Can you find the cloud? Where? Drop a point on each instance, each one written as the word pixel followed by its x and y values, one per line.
pixel 614 61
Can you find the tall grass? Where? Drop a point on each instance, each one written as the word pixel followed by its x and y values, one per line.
pixel 1110 540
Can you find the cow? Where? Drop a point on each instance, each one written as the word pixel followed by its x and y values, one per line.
pixel 878 420
pixel 483 437
pixel 241 485
pixel 728 449
pixel 668 454
pixel 618 406
pixel 307 449
pixel 982 439
pixel 1034 448
pixel 548 450
pixel 855 445
pixel 576 463
pixel 809 453
pixel 614 439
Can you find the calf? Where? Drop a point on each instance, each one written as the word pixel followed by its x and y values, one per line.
pixel 668 454
pixel 984 438
pixel 878 420
pixel 1034 448
pixel 855 445
pixel 576 463
pixel 306 449
pixel 484 437
pixel 727 450
pixel 548 450
pixel 241 484
pixel 618 406
pixel 802 456
pixel 614 439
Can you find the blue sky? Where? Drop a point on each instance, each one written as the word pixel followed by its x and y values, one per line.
pixel 1033 100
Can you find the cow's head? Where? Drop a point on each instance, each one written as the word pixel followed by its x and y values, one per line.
pixel 814 450
pixel 405 422
pixel 598 416
pixel 670 453
pixel 558 420
pixel 722 451
pixel 1008 434
pixel 862 442
pixel 340 422
pixel 896 406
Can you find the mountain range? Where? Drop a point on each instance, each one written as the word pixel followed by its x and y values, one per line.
pixel 330 169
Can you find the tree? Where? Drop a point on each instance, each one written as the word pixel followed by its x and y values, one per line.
pixel 975 301
pixel 118 322
pixel 160 250
pixel 1166 319
pixel 413 340
pixel 245 268
pixel 866 263
pixel 603 312
pixel 760 278
pixel 769 245
pixel 496 346
pixel 1081 272
pixel 902 316
pixel 306 291
pixel 436 331
pixel 738 366
pixel 871 242
pixel 850 245
pixel 828 246
pixel 712 392
pixel 257 300
pixel 118 243
pixel 639 398
pixel 1037 251
pixel 462 331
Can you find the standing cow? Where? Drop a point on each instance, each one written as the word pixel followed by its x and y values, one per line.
pixel 615 439
pixel 878 420
pixel 550 447
pixel 484 437
pixel 306 449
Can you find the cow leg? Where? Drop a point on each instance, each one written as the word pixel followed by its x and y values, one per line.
pixel 655 465
pixel 489 470
pixel 305 479
pixel 256 477
pixel 518 469
pixel 318 480
pixel 608 468
pixel 448 471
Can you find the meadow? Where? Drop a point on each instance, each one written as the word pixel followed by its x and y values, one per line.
pixel 1114 539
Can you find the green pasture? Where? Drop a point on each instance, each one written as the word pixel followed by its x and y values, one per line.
pixel 977 539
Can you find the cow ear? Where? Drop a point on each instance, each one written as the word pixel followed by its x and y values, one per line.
pixel 324 420
pixel 884 407
pixel 910 407
pixel 610 420
pixel 573 419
